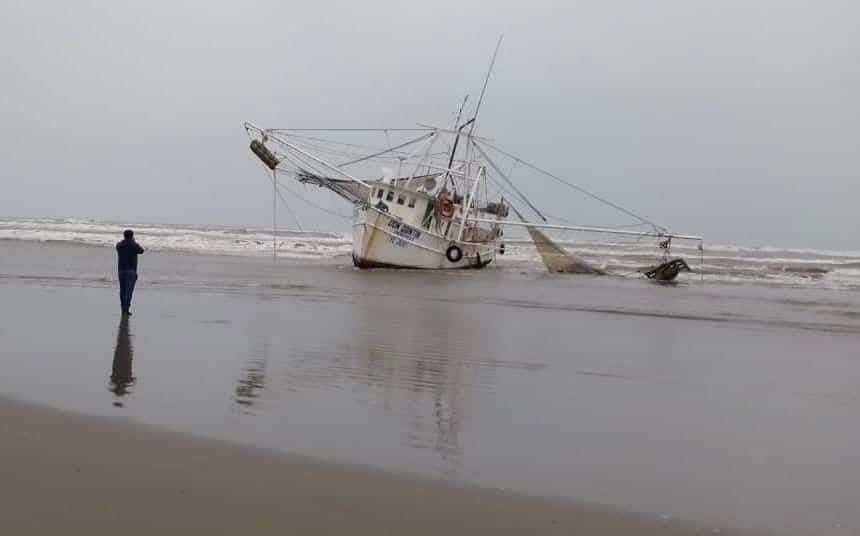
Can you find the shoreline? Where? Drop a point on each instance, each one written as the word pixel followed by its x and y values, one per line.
pixel 87 474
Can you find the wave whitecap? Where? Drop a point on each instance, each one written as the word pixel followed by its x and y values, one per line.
pixel 719 262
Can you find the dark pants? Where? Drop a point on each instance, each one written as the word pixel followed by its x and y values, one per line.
pixel 127 279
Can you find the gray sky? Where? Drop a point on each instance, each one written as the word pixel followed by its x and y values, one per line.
pixel 739 120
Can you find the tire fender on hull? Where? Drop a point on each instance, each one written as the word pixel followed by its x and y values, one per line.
pixel 454 253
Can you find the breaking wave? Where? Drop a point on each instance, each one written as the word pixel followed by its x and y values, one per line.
pixel 214 240
pixel 719 262
pixel 724 263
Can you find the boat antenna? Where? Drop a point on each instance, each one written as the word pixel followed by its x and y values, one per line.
pixel 484 89
pixel 460 111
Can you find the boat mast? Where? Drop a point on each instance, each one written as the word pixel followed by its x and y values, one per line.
pixel 480 101
pixel 458 128
pixel 481 174
pixel 484 89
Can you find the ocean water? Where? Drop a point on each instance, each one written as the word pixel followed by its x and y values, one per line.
pixel 716 263
pixel 726 405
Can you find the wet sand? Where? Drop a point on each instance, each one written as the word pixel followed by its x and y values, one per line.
pixel 74 475
pixel 721 407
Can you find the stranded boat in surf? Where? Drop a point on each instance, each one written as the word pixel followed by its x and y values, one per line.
pixel 441 200
pixel 436 217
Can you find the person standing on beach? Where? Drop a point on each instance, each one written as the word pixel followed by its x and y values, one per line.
pixel 126 252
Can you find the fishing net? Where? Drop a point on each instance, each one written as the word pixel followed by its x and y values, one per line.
pixel 557 259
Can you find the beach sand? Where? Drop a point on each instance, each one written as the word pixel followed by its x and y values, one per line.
pixel 66 474
pixel 309 397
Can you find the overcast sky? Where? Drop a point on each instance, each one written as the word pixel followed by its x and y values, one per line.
pixel 739 120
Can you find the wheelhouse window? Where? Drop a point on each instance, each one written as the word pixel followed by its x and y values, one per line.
pixel 379 193
pixel 401 199
pixel 411 202
pixel 390 196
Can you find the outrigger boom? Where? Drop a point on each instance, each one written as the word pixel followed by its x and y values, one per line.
pixel 589 229
pixel 267 134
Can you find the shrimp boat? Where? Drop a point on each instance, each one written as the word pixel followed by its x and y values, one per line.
pixel 435 217
pixel 432 197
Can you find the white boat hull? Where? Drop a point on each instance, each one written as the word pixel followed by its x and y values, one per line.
pixel 383 241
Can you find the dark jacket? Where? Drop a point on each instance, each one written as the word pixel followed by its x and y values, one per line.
pixel 126 254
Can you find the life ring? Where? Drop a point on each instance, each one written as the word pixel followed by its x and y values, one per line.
pixel 446 207
pixel 454 253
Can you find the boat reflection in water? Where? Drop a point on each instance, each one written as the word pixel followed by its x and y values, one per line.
pixel 252 380
pixel 413 371
pixel 121 377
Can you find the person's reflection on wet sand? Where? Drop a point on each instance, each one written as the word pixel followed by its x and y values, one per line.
pixel 121 377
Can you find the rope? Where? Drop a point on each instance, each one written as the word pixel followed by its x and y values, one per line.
pixel 275 184
pixel 286 130
pixel 362 147
pixel 314 205
pixel 511 195
pixel 507 180
pixel 580 189
pixel 274 216
pixel 301 163
pixel 390 149
pixel 333 151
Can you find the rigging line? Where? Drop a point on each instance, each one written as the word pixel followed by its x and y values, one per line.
pixel 301 163
pixel 571 222
pixel 275 184
pixel 513 167
pixel 424 148
pixel 512 195
pixel 293 160
pixel 274 216
pixel 396 147
pixel 580 189
pixel 278 186
pixel 504 190
pixel 363 156
pixel 334 142
pixel 311 203
pixel 277 130
pixel 327 165
pixel 329 150
pixel 500 186
pixel 510 183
